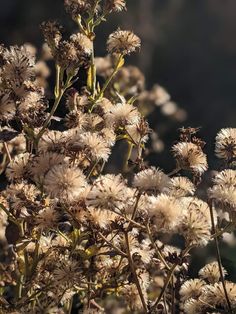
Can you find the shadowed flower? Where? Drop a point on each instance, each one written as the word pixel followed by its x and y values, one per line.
pixel 17 167
pixel 7 107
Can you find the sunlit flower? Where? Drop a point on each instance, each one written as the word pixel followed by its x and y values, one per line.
pixel 107 192
pixel 189 156
pixel 122 114
pixel 123 42
pixel 215 295
pixel 64 182
pixel 151 179
pixel 181 186
pixel 115 5
pixel 165 211
pixel 47 218
pixel 211 272
pixel 191 289
pixel 226 144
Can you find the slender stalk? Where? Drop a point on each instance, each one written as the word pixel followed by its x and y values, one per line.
pixel 219 258
pixel 158 252
pixel 7 151
pixel 107 83
pixel 133 270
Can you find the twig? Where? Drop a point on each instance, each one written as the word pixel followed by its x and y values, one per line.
pixel 219 257
pixel 7 151
pixel 132 267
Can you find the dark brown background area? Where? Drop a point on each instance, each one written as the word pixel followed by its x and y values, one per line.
pixel 188 46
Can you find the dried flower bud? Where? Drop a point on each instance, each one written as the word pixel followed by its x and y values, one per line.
pixel 77 7
pixel 123 42
pixel 52 33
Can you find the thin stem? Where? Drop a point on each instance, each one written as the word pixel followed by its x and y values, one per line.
pixel 108 81
pixel 175 171
pixel 133 270
pixel 158 252
pixel 112 245
pixel 219 258
pixel 7 151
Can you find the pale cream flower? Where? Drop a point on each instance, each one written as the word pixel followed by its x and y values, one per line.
pixel 195 228
pixel 211 272
pixel 189 156
pixel 191 288
pixel 94 145
pixel 107 192
pixel 122 114
pixel 151 179
pixel 47 218
pixel 181 186
pixel 64 182
pixel 42 163
pixel 165 211
pixel 215 295
pixel 226 144
pixel 226 178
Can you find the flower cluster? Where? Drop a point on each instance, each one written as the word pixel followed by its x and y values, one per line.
pixel 76 235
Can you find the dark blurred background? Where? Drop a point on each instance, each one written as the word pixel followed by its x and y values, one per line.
pixel 188 46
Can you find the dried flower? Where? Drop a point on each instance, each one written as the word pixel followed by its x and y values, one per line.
pixel 122 114
pixel 226 144
pixel 165 211
pixel 64 182
pixel 114 5
pixel 107 192
pixel 152 179
pixel 7 107
pixel 211 272
pixel 181 186
pixel 215 295
pixel 192 288
pixel 123 42
pixel 195 228
pixel 17 167
pixel 189 156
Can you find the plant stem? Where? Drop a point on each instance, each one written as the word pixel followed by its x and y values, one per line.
pixel 219 257
pixel 7 151
pixel 133 270
pixel 108 81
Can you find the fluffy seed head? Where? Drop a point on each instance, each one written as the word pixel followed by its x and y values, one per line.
pixel 191 289
pixel 226 144
pixel 181 186
pixel 64 182
pixel 165 211
pixel 189 156
pixel 152 179
pixel 211 272
pixel 123 42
